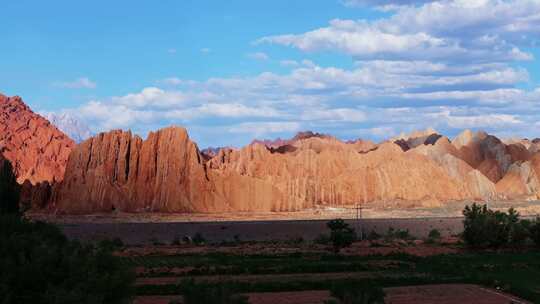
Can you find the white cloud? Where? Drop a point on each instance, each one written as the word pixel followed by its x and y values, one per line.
pixel 362 3
pixel 452 31
pixel 477 121
pixel 172 81
pixel 79 83
pixel 205 50
pixel 320 97
pixel 340 114
pixel 259 56
pixel 261 128
pixel 288 63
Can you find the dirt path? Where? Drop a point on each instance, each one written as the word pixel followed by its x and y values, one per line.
pixel 271 277
pixel 448 294
pixel 426 294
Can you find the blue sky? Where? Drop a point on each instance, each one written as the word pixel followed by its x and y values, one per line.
pixel 231 71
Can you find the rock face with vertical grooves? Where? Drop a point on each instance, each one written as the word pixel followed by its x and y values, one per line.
pixel 167 173
pixel 37 150
pixel 119 171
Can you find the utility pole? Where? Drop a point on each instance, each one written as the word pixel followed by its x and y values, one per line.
pixel 359 227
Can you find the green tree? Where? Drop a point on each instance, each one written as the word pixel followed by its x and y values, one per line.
pixel 488 228
pixel 535 231
pixel 40 265
pixel 9 189
pixel 341 235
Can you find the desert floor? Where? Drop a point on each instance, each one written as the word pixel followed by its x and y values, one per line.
pixel 153 228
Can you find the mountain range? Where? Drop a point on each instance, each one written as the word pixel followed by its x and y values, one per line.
pixel 167 172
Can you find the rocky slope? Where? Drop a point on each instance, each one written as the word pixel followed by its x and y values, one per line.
pixel 167 173
pixel 37 150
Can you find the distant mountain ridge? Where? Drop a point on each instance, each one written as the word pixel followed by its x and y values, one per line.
pixel 166 172
pixel 73 127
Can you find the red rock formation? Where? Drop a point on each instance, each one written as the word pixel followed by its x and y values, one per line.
pixel 118 171
pixel 167 172
pixel 37 150
pixel 278 142
pixel 488 154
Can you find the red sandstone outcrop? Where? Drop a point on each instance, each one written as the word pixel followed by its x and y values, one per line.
pixel 37 150
pixel 118 171
pixel 167 173
pixel 488 154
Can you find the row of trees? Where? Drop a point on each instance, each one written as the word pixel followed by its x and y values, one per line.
pixel 486 228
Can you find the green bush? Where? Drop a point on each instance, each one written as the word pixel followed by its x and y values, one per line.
pixel 397 234
pixel 39 265
pixel 357 293
pixel 202 294
pixel 373 236
pixel 9 189
pixel 341 235
pixel 493 229
pixel 434 236
pixel 111 245
pixel 322 239
pixel 519 232
pixel 534 231
pixel 198 239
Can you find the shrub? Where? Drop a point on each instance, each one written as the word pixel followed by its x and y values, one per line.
pixel 373 236
pixel 341 235
pixel 111 245
pixel 39 265
pixel 519 232
pixel 487 228
pixel 400 234
pixel 434 236
pixel 202 294
pixel 322 239
pixel 357 293
pixel 176 241
pixel 198 239
pixel 9 189
pixel 154 241
pixel 535 231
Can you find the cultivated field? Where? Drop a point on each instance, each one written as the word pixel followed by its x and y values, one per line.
pixel 410 271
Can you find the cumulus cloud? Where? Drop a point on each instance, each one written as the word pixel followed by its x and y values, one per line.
pixel 79 83
pixel 447 64
pixel 288 63
pixel 258 129
pixel 455 31
pixel 259 56
pixel 363 3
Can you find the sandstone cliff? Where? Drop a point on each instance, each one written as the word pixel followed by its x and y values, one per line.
pixel 119 171
pixel 37 150
pixel 167 173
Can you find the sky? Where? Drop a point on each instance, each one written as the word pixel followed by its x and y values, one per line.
pixel 232 71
